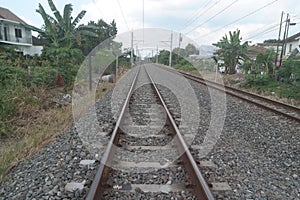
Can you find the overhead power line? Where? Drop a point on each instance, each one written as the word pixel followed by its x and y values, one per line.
pixel 121 9
pixel 269 30
pixel 194 15
pixel 98 8
pixel 265 30
pixel 263 33
pixel 241 18
pixel 201 14
pixel 221 11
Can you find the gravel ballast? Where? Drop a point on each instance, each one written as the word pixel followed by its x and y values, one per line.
pixel 257 154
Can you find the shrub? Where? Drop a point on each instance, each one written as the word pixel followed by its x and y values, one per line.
pixel 290 71
pixel 258 80
pixel 43 76
pixel 65 60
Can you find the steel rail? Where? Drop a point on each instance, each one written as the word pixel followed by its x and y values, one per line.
pixel 201 188
pixel 247 93
pixel 224 88
pixel 97 187
pixel 221 88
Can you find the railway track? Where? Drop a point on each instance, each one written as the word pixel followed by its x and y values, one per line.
pixel 277 107
pixel 140 159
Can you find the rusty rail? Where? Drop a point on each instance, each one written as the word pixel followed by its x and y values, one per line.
pixel 236 92
pixel 255 96
pixel 97 187
pixel 201 188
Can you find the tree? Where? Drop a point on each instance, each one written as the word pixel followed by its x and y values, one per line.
pixel 231 50
pixel 271 41
pixel 290 70
pixel 266 60
pixel 190 49
pixel 179 51
pixel 102 31
pixel 163 57
pixel 61 31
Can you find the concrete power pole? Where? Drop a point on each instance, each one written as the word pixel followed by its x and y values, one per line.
pixel 170 58
pixel 131 53
pixel 156 54
pixel 277 60
pixel 284 38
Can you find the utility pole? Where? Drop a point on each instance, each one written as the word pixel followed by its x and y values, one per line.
pixel 180 40
pixel 287 32
pixel 156 54
pixel 170 58
pixel 277 61
pixel 284 38
pixel 117 66
pixel 131 53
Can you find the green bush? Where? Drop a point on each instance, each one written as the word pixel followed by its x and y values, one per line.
pixel 11 83
pixel 43 76
pixel 10 76
pixel 14 83
pixel 290 71
pixel 65 60
pixel 184 67
pixel 258 80
pixel 269 84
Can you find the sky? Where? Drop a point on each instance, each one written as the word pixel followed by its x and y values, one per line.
pixel 203 21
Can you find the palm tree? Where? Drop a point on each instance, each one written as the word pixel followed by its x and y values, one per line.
pixel 231 50
pixel 61 31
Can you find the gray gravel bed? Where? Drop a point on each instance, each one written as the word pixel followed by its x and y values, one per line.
pixel 149 141
pixel 184 195
pixel 139 108
pixel 45 175
pixel 257 153
pixel 171 175
pixel 138 155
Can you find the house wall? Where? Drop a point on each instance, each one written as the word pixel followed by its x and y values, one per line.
pixel 10 29
pixel 24 42
pixel 290 46
pixel 31 50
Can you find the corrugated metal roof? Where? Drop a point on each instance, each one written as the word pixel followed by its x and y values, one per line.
pixel 7 14
pixel 293 37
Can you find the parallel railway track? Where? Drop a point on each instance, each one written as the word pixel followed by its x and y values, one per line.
pixel 115 160
pixel 277 107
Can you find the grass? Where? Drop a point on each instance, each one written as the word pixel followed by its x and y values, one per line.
pixel 284 90
pixel 38 122
pixel 260 84
pixel 269 85
pixel 36 134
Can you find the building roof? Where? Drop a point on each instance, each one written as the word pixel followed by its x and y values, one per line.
pixel 293 37
pixel 8 15
pixel 37 42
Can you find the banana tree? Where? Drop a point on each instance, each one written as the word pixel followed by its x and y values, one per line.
pixel 231 51
pixel 60 30
pixel 266 59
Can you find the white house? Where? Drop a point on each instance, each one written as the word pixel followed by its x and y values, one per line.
pixel 14 31
pixel 292 43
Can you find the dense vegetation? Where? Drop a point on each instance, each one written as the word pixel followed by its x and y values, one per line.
pixel 65 43
pixel 231 51
pixel 30 85
pixel 261 73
